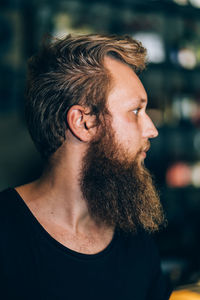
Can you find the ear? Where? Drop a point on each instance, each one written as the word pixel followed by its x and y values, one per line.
pixel 81 123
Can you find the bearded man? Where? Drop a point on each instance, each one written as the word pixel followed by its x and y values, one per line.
pixel 82 230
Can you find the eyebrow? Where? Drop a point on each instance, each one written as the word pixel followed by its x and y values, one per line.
pixel 143 100
pixel 139 101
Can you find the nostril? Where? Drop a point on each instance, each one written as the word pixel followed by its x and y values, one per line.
pixel 156 133
pixel 153 133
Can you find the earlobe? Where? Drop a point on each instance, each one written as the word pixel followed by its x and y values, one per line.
pixel 78 122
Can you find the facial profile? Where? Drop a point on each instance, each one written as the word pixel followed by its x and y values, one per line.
pixel 119 192
pixel 127 102
pixel 118 189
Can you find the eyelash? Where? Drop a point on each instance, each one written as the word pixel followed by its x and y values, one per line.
pixel 138 109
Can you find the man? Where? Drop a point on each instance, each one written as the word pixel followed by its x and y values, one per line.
pixel 81 231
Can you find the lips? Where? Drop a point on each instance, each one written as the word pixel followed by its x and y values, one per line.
pixel 143 154
pixel 147 147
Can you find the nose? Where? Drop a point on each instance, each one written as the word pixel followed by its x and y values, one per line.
pixel 149 129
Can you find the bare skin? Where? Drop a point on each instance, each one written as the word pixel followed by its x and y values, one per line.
pixel 55 199
pixel 56 202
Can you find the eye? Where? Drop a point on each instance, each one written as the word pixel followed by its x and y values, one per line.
pixel 136 111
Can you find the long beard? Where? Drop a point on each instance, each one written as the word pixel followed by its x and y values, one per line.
pixel 119 192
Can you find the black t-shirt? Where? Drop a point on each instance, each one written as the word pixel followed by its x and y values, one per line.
pixel 33 265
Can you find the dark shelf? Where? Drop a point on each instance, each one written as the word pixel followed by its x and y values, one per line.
pixel 172 67
pixel 150 6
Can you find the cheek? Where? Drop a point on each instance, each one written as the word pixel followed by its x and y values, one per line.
pixel 127 132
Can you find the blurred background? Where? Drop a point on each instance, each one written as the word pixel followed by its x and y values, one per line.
pixel 170 30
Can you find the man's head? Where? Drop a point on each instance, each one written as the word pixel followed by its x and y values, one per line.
pixel 87 82
pixel 68 72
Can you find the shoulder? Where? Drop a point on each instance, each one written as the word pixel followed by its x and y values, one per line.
pixel 7 199
pixel 13 220
pixel 10 208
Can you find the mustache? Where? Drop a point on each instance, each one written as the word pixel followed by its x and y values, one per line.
pixel 145 147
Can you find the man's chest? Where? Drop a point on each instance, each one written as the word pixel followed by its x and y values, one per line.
pixel 49 275
pixel 86 243
pixel 39 267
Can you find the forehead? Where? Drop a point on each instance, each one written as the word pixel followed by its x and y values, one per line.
pixel 126 89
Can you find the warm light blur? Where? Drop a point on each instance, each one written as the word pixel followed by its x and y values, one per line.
pixel 187 58
pixel 178 175
pixel 184 295
pixel 181 2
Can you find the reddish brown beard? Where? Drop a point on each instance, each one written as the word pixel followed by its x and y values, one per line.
pixel 119 193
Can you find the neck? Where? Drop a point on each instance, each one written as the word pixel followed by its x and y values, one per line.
pixel 57 194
